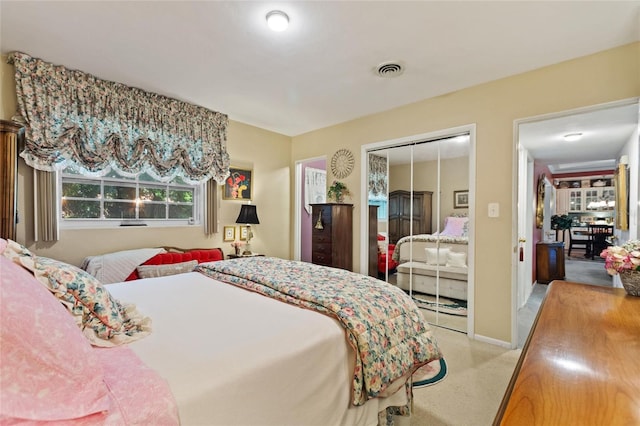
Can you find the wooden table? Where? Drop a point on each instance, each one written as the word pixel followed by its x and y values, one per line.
pixel 581 362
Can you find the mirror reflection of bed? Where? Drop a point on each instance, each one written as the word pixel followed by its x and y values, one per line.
pixel 423 223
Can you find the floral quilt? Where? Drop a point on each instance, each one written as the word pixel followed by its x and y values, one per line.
pixel 382 324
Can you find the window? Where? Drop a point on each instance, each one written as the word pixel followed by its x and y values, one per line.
pixel 381 202
pixel 112 199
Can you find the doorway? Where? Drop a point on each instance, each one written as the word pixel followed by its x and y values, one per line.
pixel 311 187
pixel 424 220
pixel 610 132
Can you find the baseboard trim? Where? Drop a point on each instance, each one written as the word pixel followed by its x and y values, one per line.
pixel 492 341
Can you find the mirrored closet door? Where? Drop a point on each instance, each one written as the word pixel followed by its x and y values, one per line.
pixel 422 193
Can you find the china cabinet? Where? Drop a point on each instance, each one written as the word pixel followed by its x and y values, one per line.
pixel 584 199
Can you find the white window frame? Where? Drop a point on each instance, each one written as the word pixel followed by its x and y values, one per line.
pixel 198 203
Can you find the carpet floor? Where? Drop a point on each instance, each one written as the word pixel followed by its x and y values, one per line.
pixel 477 376
pixel 581 270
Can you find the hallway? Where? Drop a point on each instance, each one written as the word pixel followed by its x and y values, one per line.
pixel 577 269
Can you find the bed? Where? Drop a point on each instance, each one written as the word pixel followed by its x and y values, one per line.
pixel 435 263
pixel 219 354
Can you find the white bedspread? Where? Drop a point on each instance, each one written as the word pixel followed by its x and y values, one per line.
pixel 233 357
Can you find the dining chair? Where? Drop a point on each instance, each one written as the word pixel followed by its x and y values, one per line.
pixel 579 239
pixel 598 235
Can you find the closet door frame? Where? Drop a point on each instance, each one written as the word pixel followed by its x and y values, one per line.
pixel 364 199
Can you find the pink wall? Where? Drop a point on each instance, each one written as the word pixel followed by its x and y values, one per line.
pixel 305 218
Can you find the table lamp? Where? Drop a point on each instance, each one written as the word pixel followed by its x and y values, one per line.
pixel 249 216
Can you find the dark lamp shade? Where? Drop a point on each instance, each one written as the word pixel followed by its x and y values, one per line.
pixel 248 214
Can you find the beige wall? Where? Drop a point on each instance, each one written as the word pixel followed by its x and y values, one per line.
pixel 493 107
pixel 267 153
pixel 603 77
pixel 454 176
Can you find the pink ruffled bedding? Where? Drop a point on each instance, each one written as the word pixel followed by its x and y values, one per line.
pixel 49 372
pixel 137 395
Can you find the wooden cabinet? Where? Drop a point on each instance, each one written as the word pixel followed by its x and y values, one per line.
pixel 549 262
pixel 594 199
pixel 332 235
pixel 373 241
pixel 401 215
pixel 580 363
pixel 8 178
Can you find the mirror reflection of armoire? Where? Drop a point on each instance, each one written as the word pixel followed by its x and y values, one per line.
pixel 400 214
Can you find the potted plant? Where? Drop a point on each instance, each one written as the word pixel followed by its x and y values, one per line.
pixel 624 260
pixel 561 223
pixel 338 191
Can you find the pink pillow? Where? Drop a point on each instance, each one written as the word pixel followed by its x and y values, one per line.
pixel 455 227
pixel 48 369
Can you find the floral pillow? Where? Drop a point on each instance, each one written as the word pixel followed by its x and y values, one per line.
pixel 18 254
pixel 103 320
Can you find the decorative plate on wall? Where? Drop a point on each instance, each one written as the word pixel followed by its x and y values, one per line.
pixel 342 163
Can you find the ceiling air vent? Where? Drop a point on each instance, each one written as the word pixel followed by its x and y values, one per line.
pixel 389 69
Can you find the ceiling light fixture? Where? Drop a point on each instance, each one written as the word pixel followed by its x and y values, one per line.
pixel 572 137
pixel 277 20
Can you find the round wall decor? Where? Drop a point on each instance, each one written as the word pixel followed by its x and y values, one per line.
pixel 342 163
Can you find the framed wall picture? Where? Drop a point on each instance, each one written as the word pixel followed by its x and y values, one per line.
pixel 461 199
pixel 239 185
pixel 229 233
pixel 540 202
pixel 244 231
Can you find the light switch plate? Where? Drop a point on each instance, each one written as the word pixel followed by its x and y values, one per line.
pixel 494 209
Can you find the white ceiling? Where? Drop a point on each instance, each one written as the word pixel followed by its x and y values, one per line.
pixel 320 72
pixel 604 132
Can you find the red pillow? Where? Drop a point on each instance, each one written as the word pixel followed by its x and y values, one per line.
pixel 168 258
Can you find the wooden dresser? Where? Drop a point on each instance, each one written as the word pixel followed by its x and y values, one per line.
pixel 332 243
pixel 581 362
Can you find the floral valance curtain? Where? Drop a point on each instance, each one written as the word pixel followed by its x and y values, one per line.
pixel 74 118
pixel 377 175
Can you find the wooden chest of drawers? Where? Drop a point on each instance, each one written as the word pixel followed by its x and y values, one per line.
pixel 332 235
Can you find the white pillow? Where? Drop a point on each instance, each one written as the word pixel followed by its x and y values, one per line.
pixel 382 247
pixel 458 260
pixel 437 256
